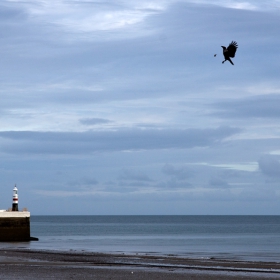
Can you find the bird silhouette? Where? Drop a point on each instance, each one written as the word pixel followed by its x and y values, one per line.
pixel 229 51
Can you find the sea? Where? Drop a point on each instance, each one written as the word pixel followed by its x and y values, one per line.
pixel 248 238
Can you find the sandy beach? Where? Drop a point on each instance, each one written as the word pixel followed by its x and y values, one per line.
pixel 35 264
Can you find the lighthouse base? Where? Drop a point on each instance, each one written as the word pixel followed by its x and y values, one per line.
pixel 14 226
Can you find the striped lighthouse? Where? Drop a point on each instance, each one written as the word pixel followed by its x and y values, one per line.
pixel 15 199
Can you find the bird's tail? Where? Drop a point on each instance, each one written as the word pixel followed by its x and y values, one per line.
pixel 230 61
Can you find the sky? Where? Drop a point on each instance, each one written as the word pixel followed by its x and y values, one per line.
pixel 120 107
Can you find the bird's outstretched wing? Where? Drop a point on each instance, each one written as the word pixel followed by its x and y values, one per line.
pixel 231 49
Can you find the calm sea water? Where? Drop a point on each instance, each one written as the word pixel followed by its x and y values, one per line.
pixel 229 237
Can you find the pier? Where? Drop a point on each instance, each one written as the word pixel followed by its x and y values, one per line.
pixel 14 226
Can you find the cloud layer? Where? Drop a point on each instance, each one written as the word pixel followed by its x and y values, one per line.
pixel 124 103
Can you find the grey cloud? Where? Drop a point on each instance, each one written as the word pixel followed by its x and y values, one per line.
pixel 117 64
pixel 269 166
pixel 10 14
pixel 85 183
pixel 217 182
pixel 121 140
pixel 173 183
pixel 258 194
pixel 129 175
pixel 124 186
pixel 264 106
pixel 180 173
pixel 89 181
pixel 94 121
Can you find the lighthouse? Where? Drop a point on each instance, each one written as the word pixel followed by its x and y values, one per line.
pixel 15 199
pixel 14 224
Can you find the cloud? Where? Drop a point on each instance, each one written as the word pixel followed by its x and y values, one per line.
pixel 94 121
pixel 217 182
pixel 242 5
pixel 88 20
pixel 173 184
pixel 84 182
pixel 79 79
pixel 24 142
pixel 269 166
pixel 129 175
pixel 264 106
pixel 179 173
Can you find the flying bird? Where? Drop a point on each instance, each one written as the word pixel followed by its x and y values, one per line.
pixel 229 51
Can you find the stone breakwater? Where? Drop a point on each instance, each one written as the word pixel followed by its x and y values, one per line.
pixel 14 226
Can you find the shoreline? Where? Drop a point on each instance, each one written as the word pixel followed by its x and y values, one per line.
pixel 44 264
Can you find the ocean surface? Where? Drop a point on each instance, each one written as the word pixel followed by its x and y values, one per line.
pixel 226 237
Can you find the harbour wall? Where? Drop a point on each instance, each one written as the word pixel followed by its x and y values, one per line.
pixel 14 226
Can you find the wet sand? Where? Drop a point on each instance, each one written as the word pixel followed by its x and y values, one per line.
pixel 35 264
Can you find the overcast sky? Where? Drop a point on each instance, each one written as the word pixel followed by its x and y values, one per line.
pixel 120 107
